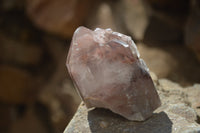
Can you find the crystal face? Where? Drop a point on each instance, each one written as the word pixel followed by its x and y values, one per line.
pixel 108 73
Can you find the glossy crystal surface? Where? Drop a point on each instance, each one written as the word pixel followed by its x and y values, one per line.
pixel 108 73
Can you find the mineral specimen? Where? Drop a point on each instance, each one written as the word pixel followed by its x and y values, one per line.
pixel 108 73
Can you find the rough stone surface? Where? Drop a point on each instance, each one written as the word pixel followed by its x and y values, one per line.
pixel 174 116
pixel 104 121
pixel 108 73
pixel 170 92
pixel 193 97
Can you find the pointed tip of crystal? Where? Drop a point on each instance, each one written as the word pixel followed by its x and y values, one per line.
pixel 80 31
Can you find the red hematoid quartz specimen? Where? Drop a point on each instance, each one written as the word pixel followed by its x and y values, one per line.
pixel 108 73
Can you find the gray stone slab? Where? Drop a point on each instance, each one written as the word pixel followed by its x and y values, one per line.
pixel 105 121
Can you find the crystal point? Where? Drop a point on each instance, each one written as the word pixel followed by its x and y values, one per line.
pixel 108 73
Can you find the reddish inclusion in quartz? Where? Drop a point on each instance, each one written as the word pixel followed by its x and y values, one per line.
pixel 108 73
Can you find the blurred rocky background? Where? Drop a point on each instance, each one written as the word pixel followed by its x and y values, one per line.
pixel 36 93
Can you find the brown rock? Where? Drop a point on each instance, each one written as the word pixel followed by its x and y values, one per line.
pixel 17 52
pixel 173 13
pixel 192 29
pixel 108 73
pixel 7 114
pixel 161 32
pixel 29 123
pixel 8 5
pixel 58 94
pixel 124 16
pixel 170 63
pixel 136 17
pixel 167 20
pixel 170 5
pixel 61 17
pixel 15 85
pixel 102 17
pixel 164 63
pixel 61 106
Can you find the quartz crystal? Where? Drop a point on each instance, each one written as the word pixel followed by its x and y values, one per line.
pixel 108 72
